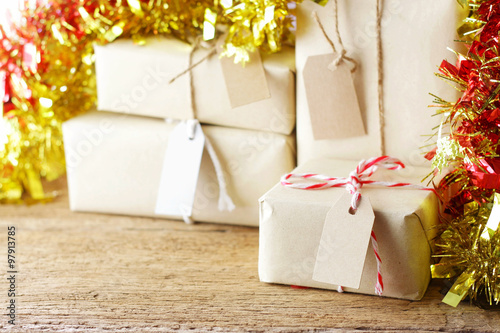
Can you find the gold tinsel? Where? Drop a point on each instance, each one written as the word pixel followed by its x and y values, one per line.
pixel 60 83
pixel 249 24
pixel 469 249
pixel 469 243
pixel 256 24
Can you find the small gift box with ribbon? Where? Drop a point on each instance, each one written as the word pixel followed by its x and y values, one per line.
pixel 142 166
pixel 165 77
pixel 365 69
pixel 340 225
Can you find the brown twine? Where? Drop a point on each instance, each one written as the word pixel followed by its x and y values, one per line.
pixel 189 71
pixel 341 55
pixel 380 68
pixel 192 66
pixel 225 201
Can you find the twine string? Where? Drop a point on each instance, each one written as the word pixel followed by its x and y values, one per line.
pixel 341 55
pixel 191 65
pixel 380 70
pixel 225 202
pixel 356 180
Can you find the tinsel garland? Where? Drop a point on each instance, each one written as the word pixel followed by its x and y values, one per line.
pixel 469 245
pixel 48 77
pixel 47 67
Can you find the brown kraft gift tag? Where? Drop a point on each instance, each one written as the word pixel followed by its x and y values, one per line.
pixel 332 100
pixel 344 242
pixel 245 84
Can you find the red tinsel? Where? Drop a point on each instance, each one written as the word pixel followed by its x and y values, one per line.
pixel 469 245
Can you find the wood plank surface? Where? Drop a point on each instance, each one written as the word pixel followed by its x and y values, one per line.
pixel 91 272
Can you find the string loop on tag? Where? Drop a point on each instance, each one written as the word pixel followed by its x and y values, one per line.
pixel 341 53
pixel 353 184
pixel 191 128
pixel 336 61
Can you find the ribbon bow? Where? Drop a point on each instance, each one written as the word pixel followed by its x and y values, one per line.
pixel 357 178
pixel 353 185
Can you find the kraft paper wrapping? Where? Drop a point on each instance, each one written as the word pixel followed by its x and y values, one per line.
pixel 415 37
pixel 135 79
pixel 291 224
pixel 114 164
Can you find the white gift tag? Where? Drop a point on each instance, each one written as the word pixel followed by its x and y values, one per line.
pixel 332 99
pixel 181 167
pixel 344 242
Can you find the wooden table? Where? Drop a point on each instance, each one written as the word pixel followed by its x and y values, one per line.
pixel 90 272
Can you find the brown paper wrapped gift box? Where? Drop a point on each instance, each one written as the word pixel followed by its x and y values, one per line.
pixel 114 165
pixel 291 225
pixel 135 79
pixel 415 36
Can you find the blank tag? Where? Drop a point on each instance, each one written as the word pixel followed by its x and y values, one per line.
pixel 181 168
pixel 247 84
pixel 331 96
pixel 494 220
pixel 344 242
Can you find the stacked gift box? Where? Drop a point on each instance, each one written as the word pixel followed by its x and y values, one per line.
pixel 116 155
pixel 293 225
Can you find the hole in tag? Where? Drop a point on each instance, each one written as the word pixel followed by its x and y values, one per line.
pixel 352 211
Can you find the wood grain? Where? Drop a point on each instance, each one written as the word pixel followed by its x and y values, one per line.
pixel 90 272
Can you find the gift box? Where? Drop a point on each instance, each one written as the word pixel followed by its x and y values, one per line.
pixel 292 232
pixel 114 165
pixel 136 79
pixel 415 36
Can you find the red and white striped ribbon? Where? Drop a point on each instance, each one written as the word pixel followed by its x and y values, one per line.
pixel 353 184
